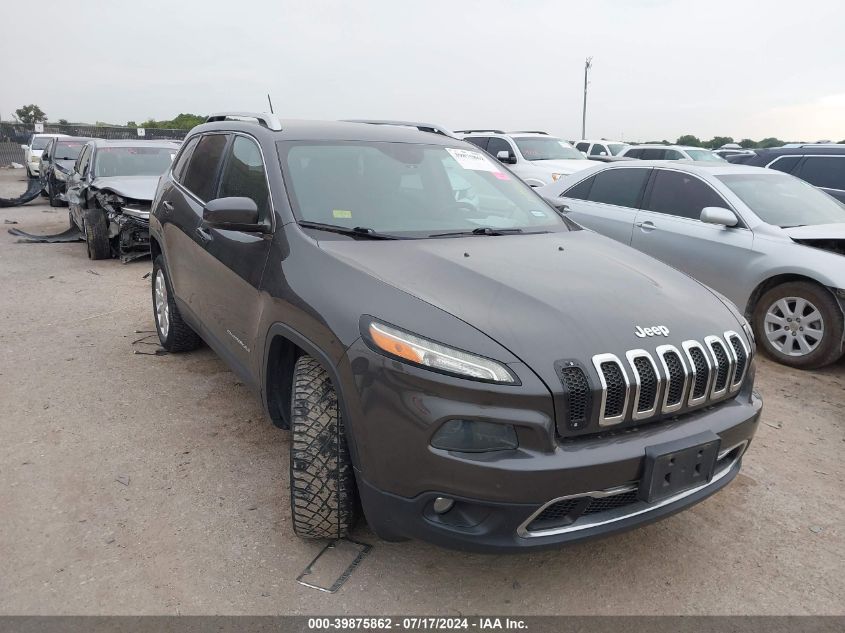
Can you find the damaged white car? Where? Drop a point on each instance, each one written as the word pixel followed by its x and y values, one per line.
pixel 110 193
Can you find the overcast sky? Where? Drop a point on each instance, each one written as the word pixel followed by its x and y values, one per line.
pixel 662 68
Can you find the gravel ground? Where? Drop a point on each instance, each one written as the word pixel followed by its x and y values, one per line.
pixel 143 484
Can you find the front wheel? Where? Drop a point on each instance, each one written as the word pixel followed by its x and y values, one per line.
pixel 96 229
pixel 322 484
pixel 800 324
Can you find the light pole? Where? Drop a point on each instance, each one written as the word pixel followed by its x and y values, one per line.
pixel 587 65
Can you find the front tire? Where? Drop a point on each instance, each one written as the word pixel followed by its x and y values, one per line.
pixel 96 229
pixel 322 484
pixel 173 333
pixel 800 324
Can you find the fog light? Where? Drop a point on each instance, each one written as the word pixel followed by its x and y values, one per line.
pixel 474 436
pixel 443 504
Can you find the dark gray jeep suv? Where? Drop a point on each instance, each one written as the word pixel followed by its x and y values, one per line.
pixel 451 355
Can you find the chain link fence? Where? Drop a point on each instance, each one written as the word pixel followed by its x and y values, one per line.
pixel 13 135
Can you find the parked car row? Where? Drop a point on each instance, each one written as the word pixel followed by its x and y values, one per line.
pixel 454 353
pixel 108 185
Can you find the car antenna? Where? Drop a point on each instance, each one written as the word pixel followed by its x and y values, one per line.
pixel 270 101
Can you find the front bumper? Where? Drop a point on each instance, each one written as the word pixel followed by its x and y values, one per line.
pixel 394 410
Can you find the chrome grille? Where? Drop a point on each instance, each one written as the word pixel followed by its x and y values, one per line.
pixel 663 382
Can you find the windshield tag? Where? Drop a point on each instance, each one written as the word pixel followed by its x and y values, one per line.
pixel 341 213
pixel 472 160
pixel 539 214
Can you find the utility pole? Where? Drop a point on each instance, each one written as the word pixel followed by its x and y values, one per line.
pixel 587 65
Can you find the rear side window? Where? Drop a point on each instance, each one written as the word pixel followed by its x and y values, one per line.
pixel 581 191
pixel 672 154
pixel 480 141
pixel 243 175
pixel 202 170
pixel 677 193
pixel 582 147
pixel 621 187
pixel 785 164
pixel 634 153
pixel 653 153
pixel 184 158
pixel 598 150
pixel 824 171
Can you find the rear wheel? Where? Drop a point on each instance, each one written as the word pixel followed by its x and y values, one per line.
pixel 322 484
pixel 96 229
pixel 800 324
pixel 174 334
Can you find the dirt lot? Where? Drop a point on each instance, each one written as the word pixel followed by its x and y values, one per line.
pixel 143 484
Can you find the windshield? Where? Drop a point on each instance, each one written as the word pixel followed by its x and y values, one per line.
pixel 705 155
pixel 615 148
pixel 133 161
pixel 40 142
pixel 547 148
pixel 419 190
pixel 67 150
pixel 785 201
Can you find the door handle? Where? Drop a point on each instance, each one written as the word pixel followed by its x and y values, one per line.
pixel 204 234
pixel 648 225
pixel 167 206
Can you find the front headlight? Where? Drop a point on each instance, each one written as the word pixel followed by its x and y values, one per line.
pixel 60 175
pixel 556 177
pixel 419 351
pixel 34 159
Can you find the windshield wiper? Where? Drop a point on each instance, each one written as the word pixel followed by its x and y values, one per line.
pixel 481 230
pixel 357 231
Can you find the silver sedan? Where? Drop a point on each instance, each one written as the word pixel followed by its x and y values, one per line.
pixel 771 243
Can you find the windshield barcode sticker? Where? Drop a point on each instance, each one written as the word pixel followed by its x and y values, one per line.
pixel 472 160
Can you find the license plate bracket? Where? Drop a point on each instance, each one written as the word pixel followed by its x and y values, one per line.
pixel 677 466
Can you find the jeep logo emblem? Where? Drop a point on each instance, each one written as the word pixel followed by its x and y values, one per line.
pixel 655 330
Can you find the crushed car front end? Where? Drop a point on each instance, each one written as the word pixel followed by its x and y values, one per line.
pixel 129 224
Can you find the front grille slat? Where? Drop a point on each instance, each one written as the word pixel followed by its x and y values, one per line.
pixel 722 366
pixel 676 378
pixel 577 394
pixel 740 358
pixel 615 389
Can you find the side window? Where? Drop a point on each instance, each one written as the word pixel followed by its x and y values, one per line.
pixel 672 154
pixel 497 145
pixel 581 191
pixel 480 141
pixel 598 149
pixel 652 153
pixel 634 153
pixel 677 193
pixel 243 175
pixel 582 147
pixel 184 158
pixel 785 164
pixel 202 171
pixel 824 171
pixel 621 187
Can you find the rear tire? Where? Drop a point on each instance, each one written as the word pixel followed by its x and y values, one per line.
pixel 96 229
pixel 799 324
pixel 173 333
pixel 322 484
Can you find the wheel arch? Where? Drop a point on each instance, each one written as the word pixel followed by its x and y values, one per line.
pixel 772 282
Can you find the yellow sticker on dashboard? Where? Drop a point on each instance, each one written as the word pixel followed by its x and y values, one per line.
pixel 341 213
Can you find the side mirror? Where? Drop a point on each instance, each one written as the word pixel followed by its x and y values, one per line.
pixel 505 157
pixel 602 153
pixel 233 214
pixel 24 146
pixel 718 215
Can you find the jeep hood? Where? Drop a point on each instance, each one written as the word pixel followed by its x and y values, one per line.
pixel 135 187
pixel 546 297
pixel 567 166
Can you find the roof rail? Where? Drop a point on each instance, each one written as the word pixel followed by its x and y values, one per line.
pixel 268 120
pixel 422 127
pixel 477 131
pixel 530 132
